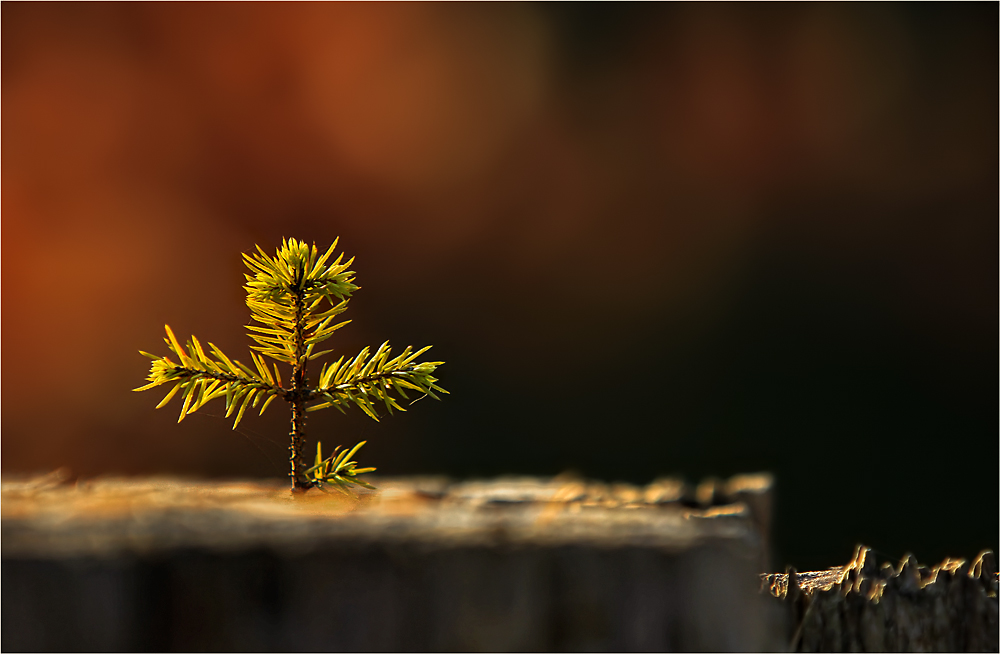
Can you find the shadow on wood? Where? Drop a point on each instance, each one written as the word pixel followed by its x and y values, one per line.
pixel 423 564
pixel 951 607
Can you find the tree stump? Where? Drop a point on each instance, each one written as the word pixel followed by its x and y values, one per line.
pixel 421 564
pixel 951 607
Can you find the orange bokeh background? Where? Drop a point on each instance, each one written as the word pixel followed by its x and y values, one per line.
pixel 688 238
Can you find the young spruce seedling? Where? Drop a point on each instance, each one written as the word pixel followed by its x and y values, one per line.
pixel 286 295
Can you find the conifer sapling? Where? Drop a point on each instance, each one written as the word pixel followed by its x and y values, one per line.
pixel 295 296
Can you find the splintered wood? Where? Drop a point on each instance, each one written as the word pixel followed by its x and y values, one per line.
pixel 951 607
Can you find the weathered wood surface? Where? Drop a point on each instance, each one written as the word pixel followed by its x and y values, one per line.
pixel 422 564
pixel 951 607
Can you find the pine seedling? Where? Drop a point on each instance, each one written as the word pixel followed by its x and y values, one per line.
pixel 295 297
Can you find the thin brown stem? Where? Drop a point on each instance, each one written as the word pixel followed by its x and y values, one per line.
pixel 297 395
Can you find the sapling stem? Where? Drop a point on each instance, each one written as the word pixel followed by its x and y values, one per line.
pixel 298 433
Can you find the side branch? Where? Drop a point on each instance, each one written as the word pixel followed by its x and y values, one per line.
pixel 368 380
pixel 373 388
pixel 201 378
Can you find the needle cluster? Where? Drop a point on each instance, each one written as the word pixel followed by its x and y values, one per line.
pixel 295 297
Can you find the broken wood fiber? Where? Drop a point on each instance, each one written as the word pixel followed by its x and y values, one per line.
pixel 950 607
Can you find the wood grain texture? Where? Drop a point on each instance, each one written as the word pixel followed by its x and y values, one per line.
pixel 422 564
pixel 950 607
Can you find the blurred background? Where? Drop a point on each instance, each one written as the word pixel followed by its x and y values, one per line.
pixel 689 239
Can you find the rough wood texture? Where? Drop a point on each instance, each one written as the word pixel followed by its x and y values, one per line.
pixel 951 607
pixel 423 564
